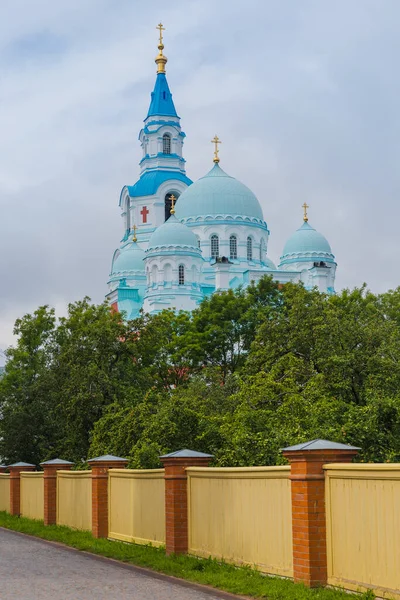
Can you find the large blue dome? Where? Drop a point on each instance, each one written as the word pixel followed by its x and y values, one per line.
pixel 130 259
pixel 173 233
pixel 218 194
pixel 307 242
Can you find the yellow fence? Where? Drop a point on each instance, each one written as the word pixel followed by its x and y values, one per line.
pixel 137 506
pixel 4 492
pixel 242 515
pixel 32 495
pixel 363 527
pixel 74 499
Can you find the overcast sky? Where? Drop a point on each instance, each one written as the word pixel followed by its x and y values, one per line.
pixel 303 93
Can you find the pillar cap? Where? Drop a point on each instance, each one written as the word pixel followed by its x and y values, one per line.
pixel 55 461
pixel 21 464
pixel 107 458
pixel 319 445
pixel 186 454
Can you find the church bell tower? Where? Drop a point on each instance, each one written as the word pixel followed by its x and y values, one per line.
pixel 147 203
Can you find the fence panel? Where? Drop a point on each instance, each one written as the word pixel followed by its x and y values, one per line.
pixel 363 527
pixel 32 495
pixel 137 506
pixel 5 492
pixel 243 515
pixel 74 499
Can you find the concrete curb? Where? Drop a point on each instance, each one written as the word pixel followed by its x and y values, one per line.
pixel 205 589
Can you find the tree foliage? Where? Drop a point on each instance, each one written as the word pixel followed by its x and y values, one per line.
pixel 245 374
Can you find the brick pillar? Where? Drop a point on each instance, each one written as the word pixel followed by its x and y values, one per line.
pixel 308 505
pixel 100 467
pixel 176 505
pixel 15 485
pixel 50 468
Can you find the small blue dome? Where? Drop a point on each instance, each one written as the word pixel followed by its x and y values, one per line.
pixel 130 259
pixel 218 194
pixel 173 233
pixel 269 263
pixel 306 240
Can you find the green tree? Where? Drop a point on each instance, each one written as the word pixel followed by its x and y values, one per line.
pixel 26 423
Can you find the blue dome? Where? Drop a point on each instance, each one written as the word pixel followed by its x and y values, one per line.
pixel 173 233
pixel 305 241
pixel 269 263
pixel 218 194
pixel 130 259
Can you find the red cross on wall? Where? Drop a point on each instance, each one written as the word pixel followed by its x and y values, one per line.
pixel 144 212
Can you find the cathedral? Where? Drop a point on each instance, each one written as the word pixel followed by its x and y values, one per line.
pixel 185 240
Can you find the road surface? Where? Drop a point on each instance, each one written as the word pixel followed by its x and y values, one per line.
pixel 32 569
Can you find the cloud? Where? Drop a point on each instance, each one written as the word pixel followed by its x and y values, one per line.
pixel 303 95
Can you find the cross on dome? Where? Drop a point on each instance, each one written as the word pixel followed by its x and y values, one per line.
pixel 161 60
pixel 161 29
pixel 172 198
pixel 305 206
pixel 216 141
pixel 134 239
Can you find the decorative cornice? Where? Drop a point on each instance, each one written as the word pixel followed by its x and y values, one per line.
pixel 223 219
pixel 171 248
pixel 314 254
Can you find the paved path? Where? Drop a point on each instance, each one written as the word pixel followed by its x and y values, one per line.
pixel 31 569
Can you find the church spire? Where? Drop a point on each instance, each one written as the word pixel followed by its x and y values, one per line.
pixel 161 97
pixel 160 59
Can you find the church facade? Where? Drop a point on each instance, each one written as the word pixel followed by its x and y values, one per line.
pixel 185 240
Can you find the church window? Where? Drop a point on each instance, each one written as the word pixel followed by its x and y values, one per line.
pixel 168 203
pixel 249 248
pixel 181 275
pixel 154 275
pixel 214 246
pixel 166 143
pixel 167 273
pixel 262 250
pixel 128 213
pixel 233 247
pixel 194 274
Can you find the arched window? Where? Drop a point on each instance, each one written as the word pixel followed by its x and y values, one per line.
pixel 128 213
pixel 262 250
pixel 181 275
pixel 166 143
pixel 214 246
pixel 249 248
pixel 168 203
pixel 167 273
pixel 233 247
pixel 154 275
pixel 194 274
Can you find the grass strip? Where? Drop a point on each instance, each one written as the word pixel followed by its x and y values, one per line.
pixel 237 580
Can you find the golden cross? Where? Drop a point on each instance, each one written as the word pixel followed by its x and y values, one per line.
pixel 305 206
pixel 161 29
pixel 172 198
pixel 216 141
pixel 134 234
